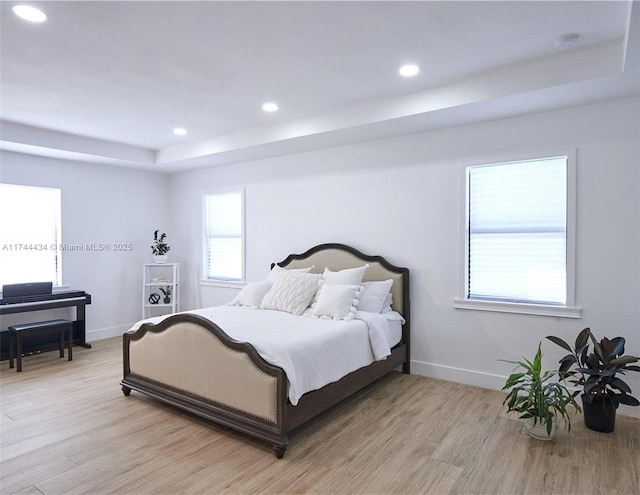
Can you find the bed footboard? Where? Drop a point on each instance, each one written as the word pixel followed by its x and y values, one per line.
pixel 189 362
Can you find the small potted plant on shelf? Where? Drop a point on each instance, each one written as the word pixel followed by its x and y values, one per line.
pixel 596 373
pixel 160 248
pixel 538 399
pixel 167 294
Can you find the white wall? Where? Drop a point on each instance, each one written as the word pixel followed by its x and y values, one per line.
pixel 100 204
pixel 401 198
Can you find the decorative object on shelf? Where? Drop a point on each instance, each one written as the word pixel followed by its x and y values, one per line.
pixel 167 294
pixel 164 279
pixel 596 372
pixel 160 248
pixel 538 400
pixel 154 298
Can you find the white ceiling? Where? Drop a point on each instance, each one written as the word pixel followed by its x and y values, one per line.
pixel 108 81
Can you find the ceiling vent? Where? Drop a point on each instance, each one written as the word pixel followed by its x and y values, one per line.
pixel 567 41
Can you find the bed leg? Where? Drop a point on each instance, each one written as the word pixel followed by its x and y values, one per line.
pixel 126 390
pixel 280 449
pixel 406 368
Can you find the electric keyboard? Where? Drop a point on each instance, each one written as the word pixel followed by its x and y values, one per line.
pixel 65 294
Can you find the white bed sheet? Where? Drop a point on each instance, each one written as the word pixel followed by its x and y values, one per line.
pixel 394 332
pixel 313 352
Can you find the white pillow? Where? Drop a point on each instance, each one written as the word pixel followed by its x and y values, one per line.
pixel 374 295
pixel 292 292
pixel 350 276
pixel 252 294
pixel 337 301
pixel 277 270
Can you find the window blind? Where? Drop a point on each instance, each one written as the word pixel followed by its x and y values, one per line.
pixel 30 234
pixel 517 224
pixel 224 257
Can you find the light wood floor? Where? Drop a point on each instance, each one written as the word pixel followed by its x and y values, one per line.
pixel 67 428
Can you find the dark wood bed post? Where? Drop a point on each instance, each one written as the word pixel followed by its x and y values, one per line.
pixel 406 330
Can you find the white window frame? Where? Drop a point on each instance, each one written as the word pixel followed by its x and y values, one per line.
pixel 569 310
pixel 220 282
pixel 51 245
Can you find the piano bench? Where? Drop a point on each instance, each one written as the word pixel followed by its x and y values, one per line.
pixel 16 332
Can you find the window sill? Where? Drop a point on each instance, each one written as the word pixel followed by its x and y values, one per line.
pixel 518 308
pixel 229 284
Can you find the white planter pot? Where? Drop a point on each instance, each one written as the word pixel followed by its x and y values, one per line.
pixel 160 258
pixel 539 431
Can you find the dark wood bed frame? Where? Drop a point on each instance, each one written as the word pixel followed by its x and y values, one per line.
pixel 289 417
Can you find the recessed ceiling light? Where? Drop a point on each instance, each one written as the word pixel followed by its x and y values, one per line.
pixel 28 13
pixel 179 131
pixel 409 70
pixel 270 107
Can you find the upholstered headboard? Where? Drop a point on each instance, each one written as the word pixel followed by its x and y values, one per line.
pixel 339 256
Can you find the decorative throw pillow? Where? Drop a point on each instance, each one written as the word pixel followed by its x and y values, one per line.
pixel 292 292
pixel 374 295
pixel 252 294
pixel 350 276
pixel 337 301
pixel 277 270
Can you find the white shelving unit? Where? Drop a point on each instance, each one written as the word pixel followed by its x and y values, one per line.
pixel 156 276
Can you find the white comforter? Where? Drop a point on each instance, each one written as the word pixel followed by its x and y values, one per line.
pixel 313 352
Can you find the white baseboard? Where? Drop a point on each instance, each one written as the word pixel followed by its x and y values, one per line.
pixel 483 380
pixel 458 375
pixel 106 333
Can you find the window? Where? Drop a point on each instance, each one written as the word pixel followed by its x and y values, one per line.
pixel 224 242
pixel 519 236
pixel 30 229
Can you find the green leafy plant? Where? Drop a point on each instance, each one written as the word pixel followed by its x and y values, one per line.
pixel 596 370
pixel 533 394
pixel 166 290
pixel 159 246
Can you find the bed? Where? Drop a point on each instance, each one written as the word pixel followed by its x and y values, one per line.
pixel 190 362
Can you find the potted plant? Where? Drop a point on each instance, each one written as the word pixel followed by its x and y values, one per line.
pixel 167 294
pixel 160 248
pixel 596 372
pixel 538 399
